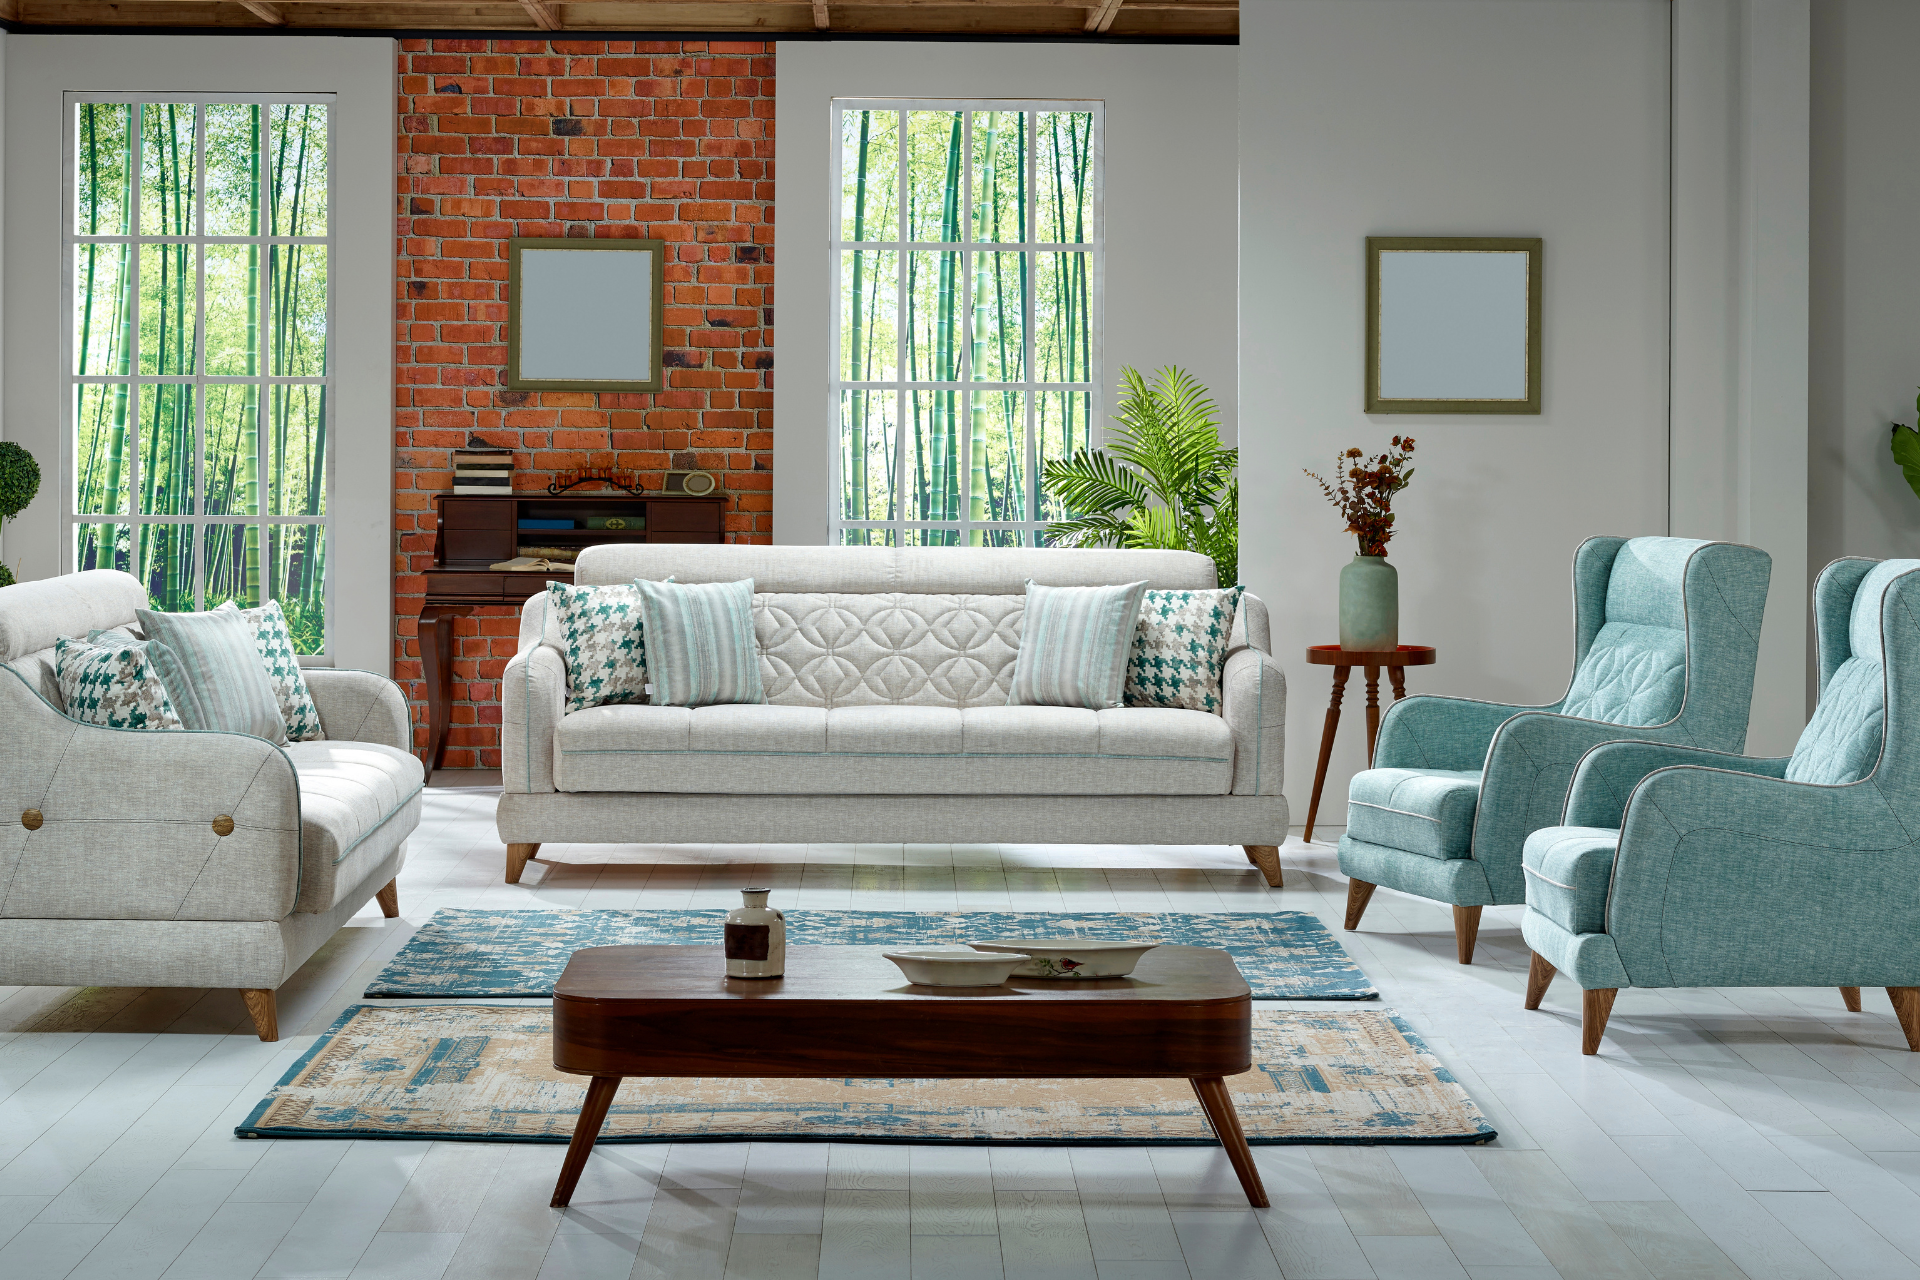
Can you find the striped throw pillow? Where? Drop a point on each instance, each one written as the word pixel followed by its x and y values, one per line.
pixel 1074 643
pixel 1180 649
pixel 112 683
pixel 213 674
pixel 701 650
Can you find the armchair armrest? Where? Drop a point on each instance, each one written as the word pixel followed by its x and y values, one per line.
pixel 1254 705
pixel 1607 775
pixel 1431 732
pixel 533 697
pixel 359 706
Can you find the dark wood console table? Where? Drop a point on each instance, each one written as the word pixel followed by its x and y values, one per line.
pixel 477 531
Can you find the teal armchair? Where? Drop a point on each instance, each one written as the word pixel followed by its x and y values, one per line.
pixel 1689 868
pixel 1666 631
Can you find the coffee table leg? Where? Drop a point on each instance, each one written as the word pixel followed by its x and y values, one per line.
pixel 593 1113
pixel 1327 732
pixel 1218 1105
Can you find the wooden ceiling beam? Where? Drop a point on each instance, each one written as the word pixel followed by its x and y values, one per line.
pixel 1101 16
pixel 267 13
pixel 543 15
pixel 819 15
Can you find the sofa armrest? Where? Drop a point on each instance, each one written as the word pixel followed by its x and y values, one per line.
pixel 1251 629
pixel 1254 704
pixel 129 825
pixel 1607 775
pixel 359 706
pixel 533 697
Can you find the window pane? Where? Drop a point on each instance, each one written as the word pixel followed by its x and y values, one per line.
pixel 233 564
pixel 296 449
pixel 933 317
pixel 103 546
pixel 866 537
pixel 234 192
pixel 869 175
pixel 869 304
pixel 930 537
pixel 297 160
pixel 168 315
pixel 1063 424
pixel 166 449
pixel 999 283
pixel 1062 325
pixel 299 311
pixel 933 456
pixel 869 433
pixel 999 538
pixel 998 426
pixel 1000 176
pixel 934 140
pixel 232 467
pixel 166 566
pixel 101 162
pixel 296 560
pixel 102 440
pixel 233 312
pixel 1063 178
pixel 102 343
pixel 168 194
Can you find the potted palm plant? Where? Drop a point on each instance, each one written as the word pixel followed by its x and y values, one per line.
pixel 1369 586
pixel 1163 481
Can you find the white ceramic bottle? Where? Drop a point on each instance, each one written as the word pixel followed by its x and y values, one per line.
pixel 756 938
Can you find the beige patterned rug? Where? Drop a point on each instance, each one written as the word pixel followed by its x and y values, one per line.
pixel 485 1073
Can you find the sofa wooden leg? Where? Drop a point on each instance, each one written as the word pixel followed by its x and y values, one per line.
pixel 1596 1006
pixel 1359 893
pixel 1906 1007
pixel 389 899
pixel 1466 931
pixel 1539 975
pixel 1850 996
pixel 1267 858
pixel 517 855
pixel 266 1016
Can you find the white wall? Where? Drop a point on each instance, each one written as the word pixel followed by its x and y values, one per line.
pixel 39 70
pixel 1170 173
pixel 1450 117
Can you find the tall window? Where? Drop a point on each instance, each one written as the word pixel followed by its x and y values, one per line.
pixel 197 238
pixel 967 261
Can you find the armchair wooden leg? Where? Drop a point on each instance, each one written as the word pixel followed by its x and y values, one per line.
pixel 1596 1006
pixel 1539 975
pixel 1359 894
pixel 266 1016
pixel 389 899
pixel 1850 996
pixel 1466 931
pixel 1906 1007
pixel 1267 858
pixel 517 855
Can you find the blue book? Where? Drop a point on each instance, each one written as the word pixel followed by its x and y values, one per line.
pixel 546 524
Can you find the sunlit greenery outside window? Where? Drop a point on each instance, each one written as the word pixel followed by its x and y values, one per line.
pixel 967 271
pixel 196 246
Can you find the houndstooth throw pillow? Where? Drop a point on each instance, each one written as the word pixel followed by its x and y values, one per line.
pixel 1179 649
pixel 606 649
pixel 112 684
pixel 274 642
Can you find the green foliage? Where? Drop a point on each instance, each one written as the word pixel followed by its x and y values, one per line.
pixel 1164 480
pixel 19 479
pixel 6 576
pixel 1906 450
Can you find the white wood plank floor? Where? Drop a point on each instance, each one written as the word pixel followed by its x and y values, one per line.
pixel 1720 1133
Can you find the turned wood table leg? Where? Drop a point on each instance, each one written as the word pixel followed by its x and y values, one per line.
pixel 436 669
pixel 1327 732
pixel 1373 710
pixel 1218 1104
pixel 593 1113
pixel 1398 675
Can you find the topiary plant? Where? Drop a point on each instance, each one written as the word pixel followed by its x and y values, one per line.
pixel 19 481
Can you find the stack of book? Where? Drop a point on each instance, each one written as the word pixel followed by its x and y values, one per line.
pixel 482 469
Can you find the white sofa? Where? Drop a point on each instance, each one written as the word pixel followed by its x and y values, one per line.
pixel 886 674
pixel 143 858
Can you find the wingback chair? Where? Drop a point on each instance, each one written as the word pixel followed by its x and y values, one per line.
pixel 1681 867
pixel 1666 631
pixel 170 858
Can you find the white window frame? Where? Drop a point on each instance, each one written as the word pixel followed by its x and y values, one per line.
pixel 1094 247
pixel 71 240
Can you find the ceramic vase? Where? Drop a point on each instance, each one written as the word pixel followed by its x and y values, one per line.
pixel 1369 604
pixel 756 938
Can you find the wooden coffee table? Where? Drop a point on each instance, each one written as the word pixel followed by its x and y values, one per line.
pixel 845 1011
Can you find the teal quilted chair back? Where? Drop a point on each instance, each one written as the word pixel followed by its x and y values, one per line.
pixel 1843 741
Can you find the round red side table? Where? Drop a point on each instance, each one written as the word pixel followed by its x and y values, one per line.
pixel 1343 661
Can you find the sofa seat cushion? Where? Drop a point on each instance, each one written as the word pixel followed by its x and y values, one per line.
pixel 1568 872
pixel 1424 811
pixel 894 750
pixel 358 802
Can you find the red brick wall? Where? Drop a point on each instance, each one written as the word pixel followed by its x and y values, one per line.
pixel 669 140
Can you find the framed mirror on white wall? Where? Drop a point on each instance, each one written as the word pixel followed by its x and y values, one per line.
pixel 1453 324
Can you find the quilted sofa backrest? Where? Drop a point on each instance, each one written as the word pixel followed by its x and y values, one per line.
pixel 1635 670
pixel 870 570
pixel 1843 740
pixel 35 614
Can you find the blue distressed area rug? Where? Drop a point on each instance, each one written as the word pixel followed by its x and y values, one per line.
pixel 484 1073
pixel 497 954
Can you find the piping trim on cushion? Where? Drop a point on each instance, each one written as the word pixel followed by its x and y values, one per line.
pixel 1537 876
pixel 1405 813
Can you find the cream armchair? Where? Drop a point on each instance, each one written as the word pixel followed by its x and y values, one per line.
pixel 182 859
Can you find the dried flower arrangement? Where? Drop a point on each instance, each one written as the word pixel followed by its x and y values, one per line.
pixel 1365 493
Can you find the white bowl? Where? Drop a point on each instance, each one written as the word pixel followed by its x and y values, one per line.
pixel 1070 957
pixel 954 968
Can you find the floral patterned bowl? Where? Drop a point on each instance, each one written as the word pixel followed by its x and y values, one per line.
pixel 1070 957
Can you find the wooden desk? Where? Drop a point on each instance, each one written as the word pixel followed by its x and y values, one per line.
pixel 1343 661
pixel 476 531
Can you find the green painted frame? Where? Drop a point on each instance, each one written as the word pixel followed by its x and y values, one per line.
pixel 516 246
pixel 1530 245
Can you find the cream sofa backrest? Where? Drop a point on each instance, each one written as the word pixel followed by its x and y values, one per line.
pixel 35 614
pixel 872 626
